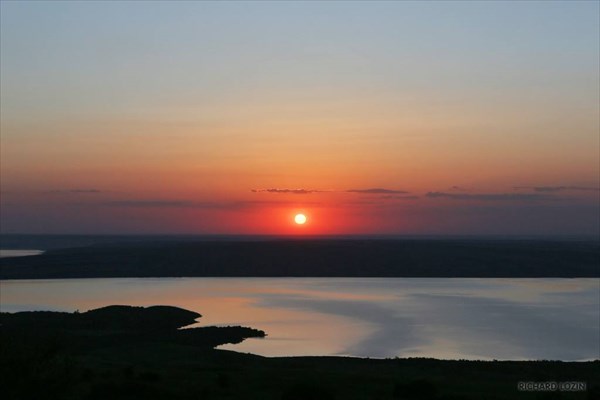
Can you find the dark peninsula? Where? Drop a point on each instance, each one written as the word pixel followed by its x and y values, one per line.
pixel 122 352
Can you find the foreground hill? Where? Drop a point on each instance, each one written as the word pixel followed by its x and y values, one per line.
pixel 313 258
pixel 121 352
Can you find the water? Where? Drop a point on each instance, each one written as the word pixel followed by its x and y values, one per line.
pixel 513 319
pixel 19 253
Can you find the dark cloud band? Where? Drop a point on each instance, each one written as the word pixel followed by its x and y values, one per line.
pixel 550 189
pixel 489 196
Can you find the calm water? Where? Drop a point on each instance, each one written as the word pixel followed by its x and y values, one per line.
pixel 423 317
pixel 19 253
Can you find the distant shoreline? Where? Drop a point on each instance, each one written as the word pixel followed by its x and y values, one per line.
pixel 63 241
pixel 442 258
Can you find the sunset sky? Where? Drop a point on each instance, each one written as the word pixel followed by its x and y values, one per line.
pixel 368 117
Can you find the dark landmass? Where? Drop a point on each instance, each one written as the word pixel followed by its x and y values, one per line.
pixel 121 352
pixel 48 242
pixel 313 258
pixel 124 325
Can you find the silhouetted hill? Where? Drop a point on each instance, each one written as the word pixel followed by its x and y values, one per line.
pixel 314 258
pixel 122 318
pixel 49 355
pixel 123 325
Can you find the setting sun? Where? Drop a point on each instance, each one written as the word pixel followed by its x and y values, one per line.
pixel 300 219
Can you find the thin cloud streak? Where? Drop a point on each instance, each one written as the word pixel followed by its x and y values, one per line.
pixel 75 191
pixel 377 191
pixel 233 205
pixel 490 196
pixel 308 191
pixel 292 191
pixel 392 197
pixel 550 189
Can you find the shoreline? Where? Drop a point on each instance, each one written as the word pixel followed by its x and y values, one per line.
pixel 313 258
pixel 109 350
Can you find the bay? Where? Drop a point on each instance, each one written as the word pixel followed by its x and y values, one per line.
pixel 448 318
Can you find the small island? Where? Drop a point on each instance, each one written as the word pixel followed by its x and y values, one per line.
pixel 125 352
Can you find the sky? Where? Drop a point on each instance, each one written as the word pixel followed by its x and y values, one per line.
pixel 444 118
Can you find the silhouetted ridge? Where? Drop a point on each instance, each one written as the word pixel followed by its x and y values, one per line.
pixel 314 258
pixel 124 324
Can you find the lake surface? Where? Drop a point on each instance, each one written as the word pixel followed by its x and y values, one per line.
pixel 19 253
pixel 455 318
